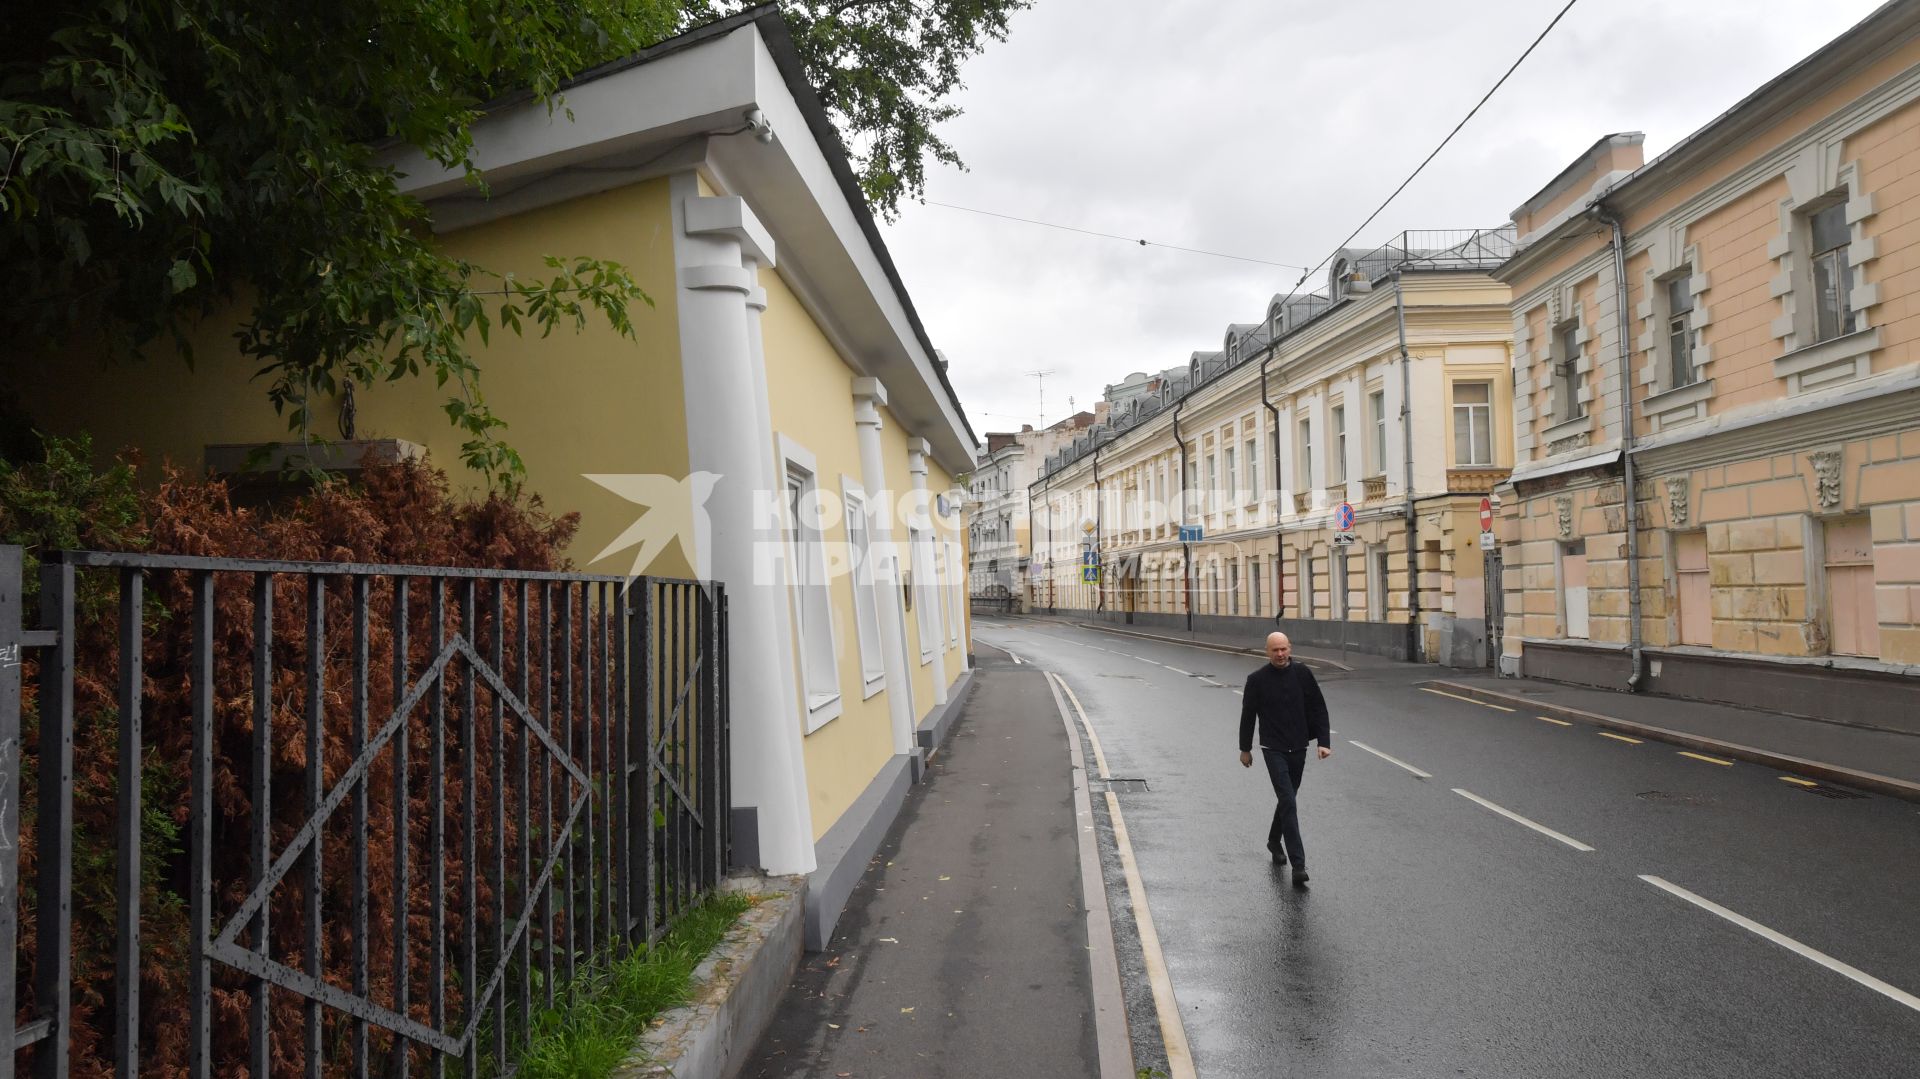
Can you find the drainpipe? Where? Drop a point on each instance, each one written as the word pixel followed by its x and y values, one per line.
pixel 1186 549
pixel 1031 548
pixel 1406 440
pixel 1100 569
pixel 1049 572
pixel 1636 680
pixel 1273 457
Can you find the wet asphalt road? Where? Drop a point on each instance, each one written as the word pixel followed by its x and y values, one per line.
pixel 1440 938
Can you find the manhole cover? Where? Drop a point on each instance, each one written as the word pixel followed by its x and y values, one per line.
pixel 1120 786
pixel 1668 798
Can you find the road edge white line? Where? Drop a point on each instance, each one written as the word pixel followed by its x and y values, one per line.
pixel 1113 1042
pixel 1518 819
pixel 1391 760
pixel 1852 973
pixel 1173 1031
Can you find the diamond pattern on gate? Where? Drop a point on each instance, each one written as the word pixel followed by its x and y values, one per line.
pixel 227 949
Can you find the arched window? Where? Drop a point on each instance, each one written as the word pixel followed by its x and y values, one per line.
pixel 1337 280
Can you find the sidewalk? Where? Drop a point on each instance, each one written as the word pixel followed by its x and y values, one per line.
pixel 963 950
pixel 1850 756
pixel 1887 762
pixel 1252 643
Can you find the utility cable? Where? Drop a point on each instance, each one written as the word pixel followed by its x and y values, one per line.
pixel 1436 150
pixel 1116 236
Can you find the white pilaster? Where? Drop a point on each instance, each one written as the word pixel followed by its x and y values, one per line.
pixel 718 250
pixel 926 582
pixel 868 397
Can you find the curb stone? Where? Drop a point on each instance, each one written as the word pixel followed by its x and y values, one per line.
pixel 1832 773
pixel 734 993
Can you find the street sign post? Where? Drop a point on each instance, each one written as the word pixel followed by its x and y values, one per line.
pixel 1343 520
pixel 1190 533
pixel 1486 541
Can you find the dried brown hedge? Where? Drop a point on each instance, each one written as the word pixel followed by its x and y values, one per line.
pixel 397 515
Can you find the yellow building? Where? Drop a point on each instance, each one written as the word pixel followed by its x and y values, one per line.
pixel 1387 393
pixel 1726 332
pixel 781 407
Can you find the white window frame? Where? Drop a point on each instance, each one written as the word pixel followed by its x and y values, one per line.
pixel 1233 474
pixel 1337 461
pixel 917 551
pixel 1253 467
pixel 1479 419
pixel 1845 319
pixel 952 596
pixel 866 601
pixel 1303 584
pixel 817 644
pixel 1677 338
pixel 1568 379
pixel 1305 434
pixel 1377 401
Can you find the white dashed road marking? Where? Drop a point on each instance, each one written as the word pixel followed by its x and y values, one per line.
pixel 1518 819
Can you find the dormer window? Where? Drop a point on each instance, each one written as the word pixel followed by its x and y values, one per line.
pixel 1337 281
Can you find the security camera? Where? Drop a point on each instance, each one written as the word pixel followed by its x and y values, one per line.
pixel 762 128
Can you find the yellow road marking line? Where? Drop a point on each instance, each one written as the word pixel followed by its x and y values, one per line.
pixel 1469 700
pixel 1709 760
pixel 1621 738
pixel 1798 782
pixel 1550 719
pixel 1172 1031
pixel 1099 755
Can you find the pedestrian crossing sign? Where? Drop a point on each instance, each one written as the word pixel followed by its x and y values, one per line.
pixel 1090 574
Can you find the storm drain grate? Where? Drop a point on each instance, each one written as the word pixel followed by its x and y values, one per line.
pixel 1669 798
pixel 1121 786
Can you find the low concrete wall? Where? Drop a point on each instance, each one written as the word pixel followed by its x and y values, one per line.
pixel 842 854
pixel 932 732
pixel 1836 694
pixel 735 991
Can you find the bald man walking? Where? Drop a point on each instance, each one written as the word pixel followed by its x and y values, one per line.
pixel 1285 699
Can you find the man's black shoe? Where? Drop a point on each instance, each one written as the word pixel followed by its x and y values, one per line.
pixel 1300 878
pixel 1279 855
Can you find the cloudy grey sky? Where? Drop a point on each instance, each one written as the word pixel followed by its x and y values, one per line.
pixel 1269 129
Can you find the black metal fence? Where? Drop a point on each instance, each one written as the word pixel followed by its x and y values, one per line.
pixel 336 818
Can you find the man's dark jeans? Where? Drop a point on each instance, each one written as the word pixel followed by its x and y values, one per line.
pixel 1286 767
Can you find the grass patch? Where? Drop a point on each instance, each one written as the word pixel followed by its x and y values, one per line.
pixel 588 1037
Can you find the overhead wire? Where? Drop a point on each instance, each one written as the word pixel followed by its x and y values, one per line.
pixel 1115 236
pixel 1484 98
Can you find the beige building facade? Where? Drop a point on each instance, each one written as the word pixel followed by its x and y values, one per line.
pixel 1732 325
pixel 1214 503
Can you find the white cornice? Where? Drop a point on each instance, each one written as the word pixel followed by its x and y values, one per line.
pixel 1873 406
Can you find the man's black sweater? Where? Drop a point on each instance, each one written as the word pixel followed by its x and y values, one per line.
pixel 1288 703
